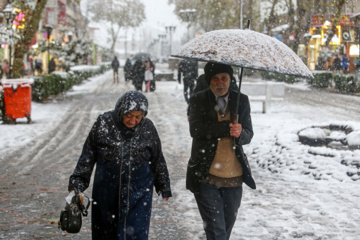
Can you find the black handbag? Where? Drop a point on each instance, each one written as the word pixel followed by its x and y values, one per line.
pixel 71 217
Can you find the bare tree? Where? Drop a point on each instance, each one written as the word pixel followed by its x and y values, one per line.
pixel 271 20
pixel 212 15
pixel 26 34
pixel 119 13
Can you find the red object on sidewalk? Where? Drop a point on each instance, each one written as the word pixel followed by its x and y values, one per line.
pixel 17 97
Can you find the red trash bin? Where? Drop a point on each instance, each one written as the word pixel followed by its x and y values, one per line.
pixel 17 98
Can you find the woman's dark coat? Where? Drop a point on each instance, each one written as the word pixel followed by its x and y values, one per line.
pixel 129 162
pixel 138 74
pixel 127 70
pixel 205 129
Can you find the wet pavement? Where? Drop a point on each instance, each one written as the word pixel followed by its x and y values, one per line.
pixel 34 179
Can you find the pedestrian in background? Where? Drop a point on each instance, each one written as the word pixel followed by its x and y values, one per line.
pixel 149 75
pixel 337 64
pixel 327 64
pixel 31 62
pixel 127 70
pixel 52 65
pixel 138 74
pixel 345 63
pixel 218 166
pixel 189 69
pixel 115 66
pixel 126 148
pixel 5 67
pixel 38 65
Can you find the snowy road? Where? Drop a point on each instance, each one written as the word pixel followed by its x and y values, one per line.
pixel 286 205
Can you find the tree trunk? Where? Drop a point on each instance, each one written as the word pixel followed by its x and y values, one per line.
pixel 21 46
pixel 272 17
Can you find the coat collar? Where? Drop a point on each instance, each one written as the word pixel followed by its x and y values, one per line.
pixel 231 102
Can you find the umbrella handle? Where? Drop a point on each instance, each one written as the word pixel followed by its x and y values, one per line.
pixel 235 118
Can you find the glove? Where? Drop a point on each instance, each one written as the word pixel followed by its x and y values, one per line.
pixel 162 198
pixel 72 194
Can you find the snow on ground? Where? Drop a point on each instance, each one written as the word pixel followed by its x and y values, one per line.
pixel 299 194
pixel 44 117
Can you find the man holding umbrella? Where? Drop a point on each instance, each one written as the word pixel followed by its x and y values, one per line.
pixel 218 166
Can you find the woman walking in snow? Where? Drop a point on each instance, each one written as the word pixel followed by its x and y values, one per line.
pixel 126 149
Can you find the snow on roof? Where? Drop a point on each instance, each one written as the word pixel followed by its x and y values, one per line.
pixel 17 81
pixel 280 28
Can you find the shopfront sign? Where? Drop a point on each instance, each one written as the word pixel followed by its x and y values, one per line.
pixel 319 20
pixel 62 13
pixel 344 20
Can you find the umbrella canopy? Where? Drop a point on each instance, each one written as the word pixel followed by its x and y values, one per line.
pixel 245 48
pixel 142 56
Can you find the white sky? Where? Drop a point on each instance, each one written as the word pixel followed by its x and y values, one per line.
pixel 158 15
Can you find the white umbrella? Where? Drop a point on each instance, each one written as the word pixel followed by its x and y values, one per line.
pixel 247 49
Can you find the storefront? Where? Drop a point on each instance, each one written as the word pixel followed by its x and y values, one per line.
pixel 343 41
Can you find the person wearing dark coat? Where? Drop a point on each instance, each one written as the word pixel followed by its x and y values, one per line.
pixel 115 66
pixel 52 65
pixel 337 64
pixel 345 62
pixel 127 70
pixel 126 149
pixel 218 165
pixel 138 74
pixel 189 69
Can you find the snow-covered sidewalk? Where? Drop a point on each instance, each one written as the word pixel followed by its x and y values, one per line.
pixel 299 195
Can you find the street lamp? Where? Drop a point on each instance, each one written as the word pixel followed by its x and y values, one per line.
pixel 48 33
pixel 170 29
pixel 8 11
pixel 188 15
pixel 70 36
pixel 10 17
pixel 161 39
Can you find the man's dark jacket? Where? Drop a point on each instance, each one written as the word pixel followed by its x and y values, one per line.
pixel 189 69
pixel 206 130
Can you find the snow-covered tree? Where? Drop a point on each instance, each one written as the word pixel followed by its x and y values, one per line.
pixel 25 35
pixel 221 14
pixel 119 13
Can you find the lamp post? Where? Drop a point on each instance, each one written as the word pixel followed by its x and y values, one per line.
pixel 48 33
pixel 356 18
pixel 70 36
pixel 156 48
pixel 170 29
pixel 161 38
pixel 188 15
pixel 10 17
pixel 241 14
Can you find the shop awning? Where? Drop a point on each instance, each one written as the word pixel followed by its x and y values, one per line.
pixel 355 15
